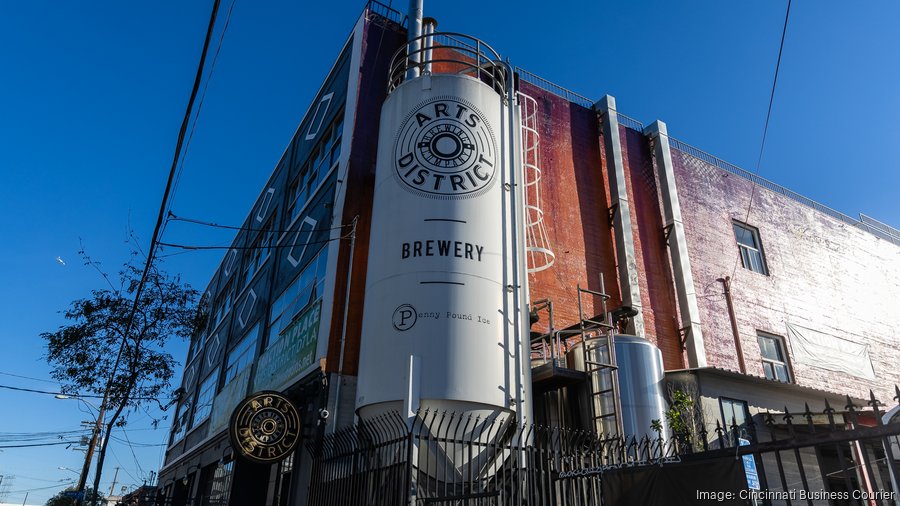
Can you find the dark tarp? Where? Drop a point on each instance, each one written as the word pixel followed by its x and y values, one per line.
pixel 716 481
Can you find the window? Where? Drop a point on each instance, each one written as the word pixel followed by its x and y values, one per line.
pixel 259 252
pixel 179 426
pixel 220 487
pixel 242 354
pixel 774 358
pixel 203 405
pixel 735 412
pixel 750 248
pixel 222 306
pixel 322 158
pixel 304 290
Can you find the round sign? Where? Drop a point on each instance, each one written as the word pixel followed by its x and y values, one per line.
pixel 265 427
pixel 404 317
pixel 445 149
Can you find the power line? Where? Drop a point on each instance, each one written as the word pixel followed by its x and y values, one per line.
pixel 212 69
pixel 139 445
pixel 28 377
pixel 157 228
pixel 762 146
pixel 173 217
pixel 131 447
pixel 40 444
pixel 122 466
pixel 214 247
pixel 75 396
pixel 62 483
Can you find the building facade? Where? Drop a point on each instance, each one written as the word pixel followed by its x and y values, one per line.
pixel 757 299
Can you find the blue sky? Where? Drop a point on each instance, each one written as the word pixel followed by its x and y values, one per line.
pixel 92 94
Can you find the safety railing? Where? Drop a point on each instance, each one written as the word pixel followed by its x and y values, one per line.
pixel 556 89
pixel 448 53
pixel 385 11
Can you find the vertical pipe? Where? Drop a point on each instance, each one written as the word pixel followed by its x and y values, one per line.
pixel 340 371
pixel 726 282
pixel 414 43
pixel 430 25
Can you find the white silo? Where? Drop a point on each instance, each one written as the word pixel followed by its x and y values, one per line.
pixel 445 286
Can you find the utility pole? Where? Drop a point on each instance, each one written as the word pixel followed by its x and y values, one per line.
pixel 113 486
pixel 82 480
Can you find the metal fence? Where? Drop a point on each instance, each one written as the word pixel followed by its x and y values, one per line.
pixel 448 458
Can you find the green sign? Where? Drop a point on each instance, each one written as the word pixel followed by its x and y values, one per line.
pixel 231 394
pixel 292 354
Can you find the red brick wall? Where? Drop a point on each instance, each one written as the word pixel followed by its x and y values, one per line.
pixel 574 200
pixel 823 274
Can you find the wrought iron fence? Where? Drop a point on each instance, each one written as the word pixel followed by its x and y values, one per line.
pixel 443 458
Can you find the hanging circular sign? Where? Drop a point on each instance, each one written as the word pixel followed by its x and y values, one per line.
pixel 265 427
pixel 445 150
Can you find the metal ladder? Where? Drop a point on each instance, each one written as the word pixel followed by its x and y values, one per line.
pixel 600 366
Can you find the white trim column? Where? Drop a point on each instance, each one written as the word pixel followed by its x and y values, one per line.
pixel 681 263
pixel 621 213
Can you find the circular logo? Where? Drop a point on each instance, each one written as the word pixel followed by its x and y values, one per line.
pixel 445 149
pixel 404 317
pixel 265 427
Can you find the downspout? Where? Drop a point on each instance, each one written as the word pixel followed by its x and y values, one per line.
pixel 726 282
pixel 340 371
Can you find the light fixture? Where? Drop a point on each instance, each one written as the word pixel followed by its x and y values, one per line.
pixel 184 481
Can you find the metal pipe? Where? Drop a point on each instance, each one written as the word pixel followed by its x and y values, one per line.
pixel 340 371
pixel 414 31
pixel 726 282
pixel 430 25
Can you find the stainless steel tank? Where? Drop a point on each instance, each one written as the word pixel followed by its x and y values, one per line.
pixel 641 390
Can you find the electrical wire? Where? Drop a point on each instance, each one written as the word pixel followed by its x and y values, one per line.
pixel 162 211
pixel 139 445
pixel 75 396
pixel 28 377
pixel 213 247
pixel 173 217
pixel 40 444
pixel 15 492
pixel 122 466
pixel 131 447
pixel 762 146
pixel 212 69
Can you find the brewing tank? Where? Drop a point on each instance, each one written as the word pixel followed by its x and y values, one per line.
pixel 640 386
pixel 436 321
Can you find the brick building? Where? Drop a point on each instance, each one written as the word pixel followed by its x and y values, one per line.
pixel 757 298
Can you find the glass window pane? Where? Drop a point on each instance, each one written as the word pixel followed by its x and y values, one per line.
pixel 781 372
pixel 204 398
pixel 767 367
